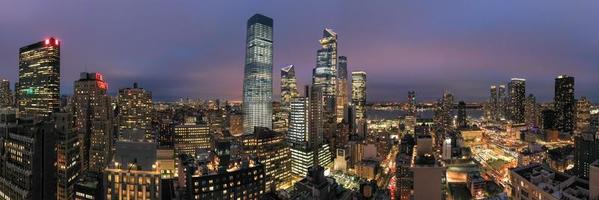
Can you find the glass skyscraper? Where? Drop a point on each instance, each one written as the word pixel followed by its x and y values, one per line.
pixel 257 81
pixel 341 88
pixel 325 73
pixel 38 90
pixel 359 93
pixel 288 86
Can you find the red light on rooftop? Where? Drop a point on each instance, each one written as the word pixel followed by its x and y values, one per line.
pixel 56 42
pixel 102 85
pixel 99 76
pixel 47 41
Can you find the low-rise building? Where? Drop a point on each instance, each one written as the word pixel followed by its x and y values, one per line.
pixel 540 182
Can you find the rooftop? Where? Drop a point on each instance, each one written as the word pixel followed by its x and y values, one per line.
pixel 553 182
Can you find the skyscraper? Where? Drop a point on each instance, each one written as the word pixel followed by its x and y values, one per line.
pixel 412 103
pixel 5 94
pixel 68 159
pixel 502 102
pixel 461 120
pixel 257 80
pixel 586 151
pixel 493 103
pixel 497 105
pixel 564 103
pixel 288 92
pixel 342 89
pixel 288 86
pixel 92 114
pixel 298 134
pixel 134 111
pixel 583 115
pixel 304 147
pixel 27 168
pixel 358 93
pixel 38 89
pixel 324 74
pixel 324 82
pixel 517 95
pixel 532 114
pixel 443 113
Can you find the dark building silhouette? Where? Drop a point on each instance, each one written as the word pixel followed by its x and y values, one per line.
pixel 564 103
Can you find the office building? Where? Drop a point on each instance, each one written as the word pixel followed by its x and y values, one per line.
pixel 257 79
pixel 586 151
pixel 358 82
pixel 133 173
pixel 564 103
pixel 325 72
pixel 324 80
pixel 270 149
pixel 412 103
pixel 301 143
pixel 192 137
pixel 223 175
pixel 532 114
pixel 342 88
pixel 288 86
pixel 280 118
pixel 517 95
pixel 93 121
pixel 135 111
pixel 443 117
pixel 68 160
pixel 235 123
pixel 462 119
pixel 583 115
pixel 6 97
pixel 38 90
pixel 27 168
pixel 404 176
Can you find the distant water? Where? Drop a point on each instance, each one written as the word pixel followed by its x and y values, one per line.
pixel 426 114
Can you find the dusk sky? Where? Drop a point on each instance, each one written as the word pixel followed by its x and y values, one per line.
pixel 196 48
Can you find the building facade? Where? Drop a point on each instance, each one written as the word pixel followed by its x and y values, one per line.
pixel 358 94
pixel 342 88
pixel 564 103
pixel 271 150
pixel 517 96
pixel 93 117
pixel 6 97
pixel 135 111
pixel 583 115
pixel 27 169
pixel 192 137
pixel 38 90
pixel 257 79
pixel 68 160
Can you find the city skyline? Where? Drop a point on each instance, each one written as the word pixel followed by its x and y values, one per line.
pixel 169 110
pixel 401 51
